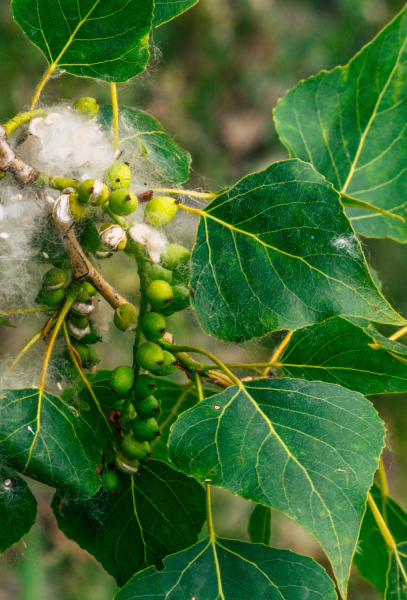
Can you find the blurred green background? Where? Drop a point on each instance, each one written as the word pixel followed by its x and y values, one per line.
pixel 215 75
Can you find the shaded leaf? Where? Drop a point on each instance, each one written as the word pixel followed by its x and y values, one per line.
pixel 232 570
pixel 143 137
pixel 260 525
pixel 309 450
pixel 373 557
pixel 104 40
pixel 165 10
pixel 396 577
pixel 338 351
pixel 6 323
pixel 277 252
pixel 158 513
pixel 18 508
pixel 350 124
pixel 48 440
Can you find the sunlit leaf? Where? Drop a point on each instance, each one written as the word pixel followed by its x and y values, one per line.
pixel 18 508
pixel 260 525
pixel 277 252
pixel 309 450
pixel 165 10
pixel 350 124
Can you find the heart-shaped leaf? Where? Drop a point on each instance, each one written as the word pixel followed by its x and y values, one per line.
pixel 105 40
pixel 219 569
pixel 350 124
pixel 277 252
pixel 143 138
pixel 18 508
pixel 165 10
pixel 338 351
pixel 309 450
pixel 158 513
pixel 46 439
pixel 260 525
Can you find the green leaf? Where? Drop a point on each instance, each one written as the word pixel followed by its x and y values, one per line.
pixel 18 508
pixel 46 439
pixel 372 557
pixel 158 513
pixel 6 323
pixel 144 139
pixel 260 525
pixel 277 252
pixel 350 124
pixel 175 399
pixel 96 413
pixel 165 10
pixel 309 450
pixel 396 577
pixel 105 40
pixel 223 569
pixel 338 351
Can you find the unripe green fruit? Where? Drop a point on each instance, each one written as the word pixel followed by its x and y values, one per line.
pixel 123 202
pixel 175 255
pixel 159 293
pixel 150 356
pixel 125 317
pixel 83 352
pixel 122 379
pixel 145 429
pixel 111 480
pixel 93 336
pixel 50 298
pixel 126 464
pixel 144 386
pixel 160 211
pixel 147 407
pixel 89 238
pixel 153 326
pixel 54 279
pixel 117 176
pixel 169 366
pixel 86 292
pixel 135 449
pixel 181 299
pixel 79 321
pixel 89 107
pixel 75 206
pixel 93 357
pixel 93 191
pixel 158 272
pixel 119 405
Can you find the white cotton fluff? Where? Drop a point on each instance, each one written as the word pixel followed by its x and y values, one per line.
pixel 154 241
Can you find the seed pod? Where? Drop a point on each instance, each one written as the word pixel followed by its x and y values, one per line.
pixel 93 336
pixel 150 356
pixel 93 192
pixel 160 211
pixel 126 465
pixel 175 255
pixel 158 272
pixel 61 211
pixel 123 202
pixel 135 449
pixel 180 301
pixel 102 253
pixel 83 352
pixel 117 176
pixel 147 407
pixel 82 308
pixel 52 298
pixel 153 326
pixel 88 107
pixel 169 366
pixel 144 386
pixel 118 405
pixel 75 206
pixel 110 480
pixel 93 358
pixel 78 326
pixel 159 293
pixel 125 317
pixel 145 429
pixel 54 279
pixel 86 292
pixel 122 379
pixel 112 237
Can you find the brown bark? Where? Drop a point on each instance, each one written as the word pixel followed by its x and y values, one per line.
pixel 9 161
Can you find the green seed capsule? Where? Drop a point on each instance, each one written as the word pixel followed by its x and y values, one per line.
pixel 75 206
pixel 93 336
pixel 153 326
pixel 117 176
pixel 78 326
pixel 93 357
pixel 118 405
pixel 135 449
pixel 150 356
pixel 158 272
pixel 86 292
pixel 181 299
pixel 89 107
pixel 79 321
pixel 147 407
pixel 125 317
pixel 123 202
pixel 83 352
pixel 50 298
pixel 111 480
pixel 159 294
pixel 126 464
pixel 93 192
pixel 112 237
pixel 169 366
pixel 145 429
pixel 175 255
pixel 54 279
pixel 122 379
pixel 160 211
pixel 144 386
